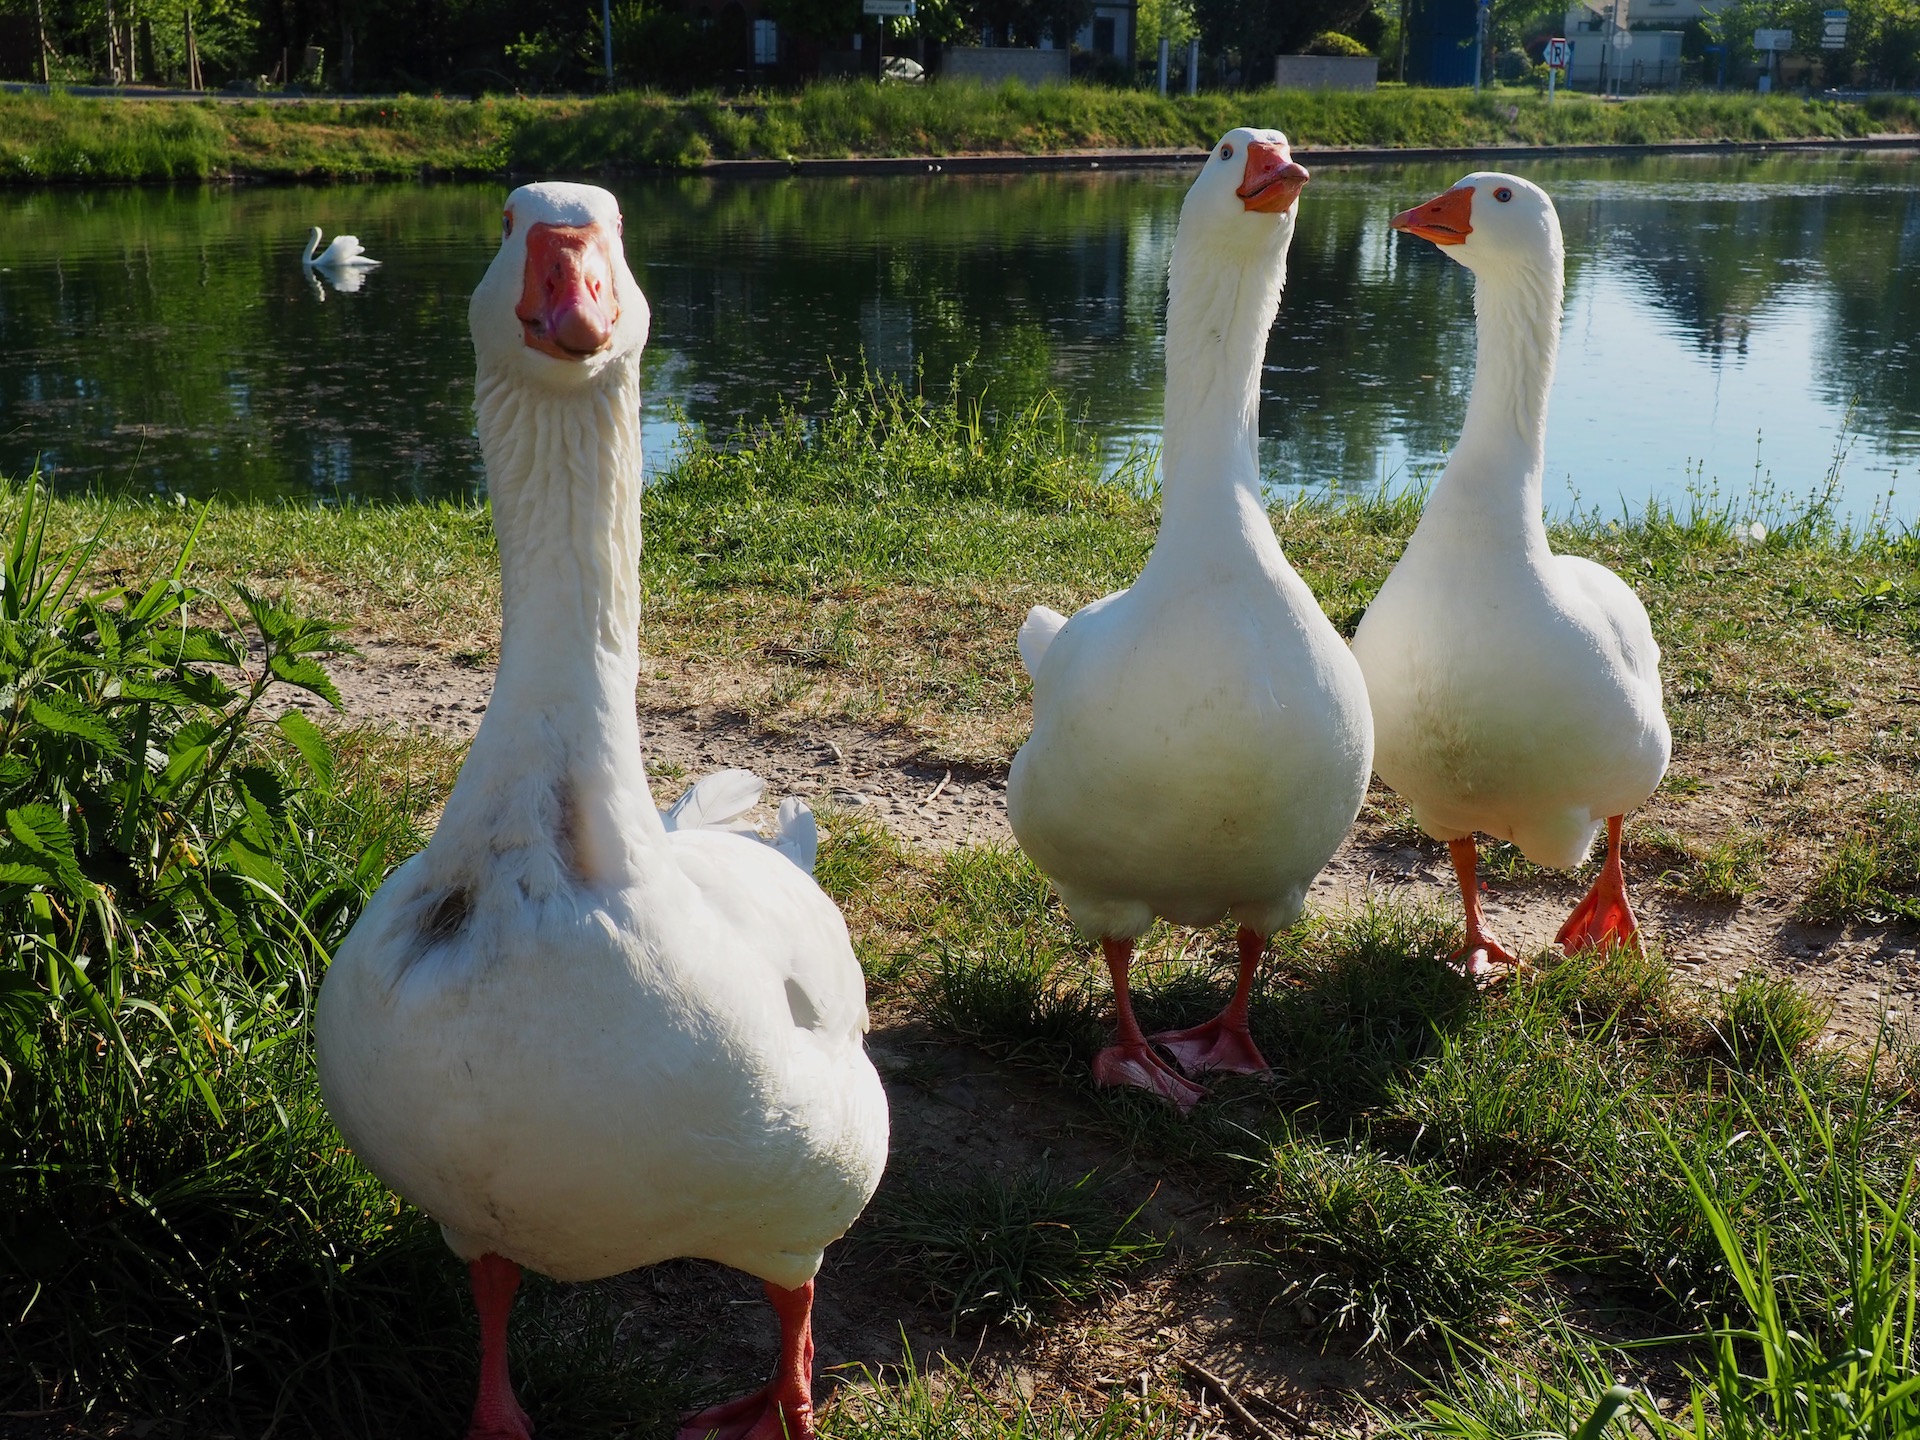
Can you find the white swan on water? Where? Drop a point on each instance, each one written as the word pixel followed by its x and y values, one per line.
pixel 582 1035
pixel 344 253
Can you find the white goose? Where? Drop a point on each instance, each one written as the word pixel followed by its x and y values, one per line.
pixel 580 1040
pixel 1516 692
pixel 343 253
pixel 1201 741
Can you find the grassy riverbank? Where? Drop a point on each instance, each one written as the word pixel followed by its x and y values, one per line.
pixel 1591 1155
pixel 64 138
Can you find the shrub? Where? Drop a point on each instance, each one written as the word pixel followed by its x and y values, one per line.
pixel 1332 42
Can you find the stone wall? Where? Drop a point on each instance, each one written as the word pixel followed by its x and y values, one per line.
pixel 995 65
pixel 1325 72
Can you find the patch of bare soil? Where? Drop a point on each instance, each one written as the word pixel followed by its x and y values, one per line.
pixel 1862 971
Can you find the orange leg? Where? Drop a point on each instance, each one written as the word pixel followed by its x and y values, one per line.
pixel 496 1414
pixel 1130 1059
pixel 1224 1042
pixel 1481 952
pixel 782 1409
pixel 1604 917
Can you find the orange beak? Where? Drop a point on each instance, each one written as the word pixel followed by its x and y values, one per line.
pixel 1273 178
pixel 1445 220
pixel 566 306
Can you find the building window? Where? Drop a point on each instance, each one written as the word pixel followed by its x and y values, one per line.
pixel 766 43
pixel 1103 35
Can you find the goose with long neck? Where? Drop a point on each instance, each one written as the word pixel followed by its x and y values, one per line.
pixel 1201 740
pixel 581 1040
pixel 1515 692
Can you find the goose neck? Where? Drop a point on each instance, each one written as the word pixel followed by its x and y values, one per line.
pixel 1219 310
pixel 561 733
pixel 563 471
pixel 1496 469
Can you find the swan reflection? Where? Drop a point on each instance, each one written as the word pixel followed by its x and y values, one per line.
pixel 345 281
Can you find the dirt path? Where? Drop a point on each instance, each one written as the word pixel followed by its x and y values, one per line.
pixel 1862 971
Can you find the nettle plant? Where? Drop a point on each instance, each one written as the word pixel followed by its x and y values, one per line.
pixel 155 825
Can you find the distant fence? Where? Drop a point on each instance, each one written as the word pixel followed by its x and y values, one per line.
pixel 997 64
pixel 1326 72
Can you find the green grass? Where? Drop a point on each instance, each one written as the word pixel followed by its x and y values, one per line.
pixel 67 138
pixel 1374 1251
pixel 951 1404
pixel 1517 1127
pixel 1763 1022
pixel 1721 871
pixel 1007 1248
pixel 1429 1159
pixel 1839 1363
pixel 1874 874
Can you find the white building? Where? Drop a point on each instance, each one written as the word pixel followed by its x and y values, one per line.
pixel 1616 45
pixel 1111 31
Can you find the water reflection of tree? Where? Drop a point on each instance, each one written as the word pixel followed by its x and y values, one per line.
pixel 1028 282
pixel 1718 264
pixel 146 336
pixel 1047 282
pixel 167 337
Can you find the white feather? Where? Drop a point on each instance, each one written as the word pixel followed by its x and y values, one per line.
pixel 1036 634
pixel 716 802
pixel 797 836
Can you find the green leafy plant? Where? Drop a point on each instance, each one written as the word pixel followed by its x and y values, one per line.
pixel 145 821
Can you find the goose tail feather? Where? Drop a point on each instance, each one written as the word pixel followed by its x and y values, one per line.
pixel 715 802
pixel 795 835
pixel 1036 634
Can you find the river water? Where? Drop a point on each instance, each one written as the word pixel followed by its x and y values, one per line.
pixel 1731 321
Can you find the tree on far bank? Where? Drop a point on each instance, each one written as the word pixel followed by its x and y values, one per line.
pixel 1258 30
pixel 1169 20
pixel 1027 22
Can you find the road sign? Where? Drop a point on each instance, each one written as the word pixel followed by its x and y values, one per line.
pixel 1765 40
pixel 1559 53
pixel 1623 39
pixel 895 8
pixel 1833 31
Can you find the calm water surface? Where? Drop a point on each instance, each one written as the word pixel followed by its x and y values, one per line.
pixel 1728 320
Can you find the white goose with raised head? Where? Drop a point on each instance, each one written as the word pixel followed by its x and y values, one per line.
pixel 1515 692
pixel 1201 740
pixel 580 1040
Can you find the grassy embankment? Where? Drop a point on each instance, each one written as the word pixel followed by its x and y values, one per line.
pixel 72 139
pixel 1541 1170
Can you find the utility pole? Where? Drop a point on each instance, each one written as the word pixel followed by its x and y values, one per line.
pixel 1193 67
pixel 606 37
pixel 1163 67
